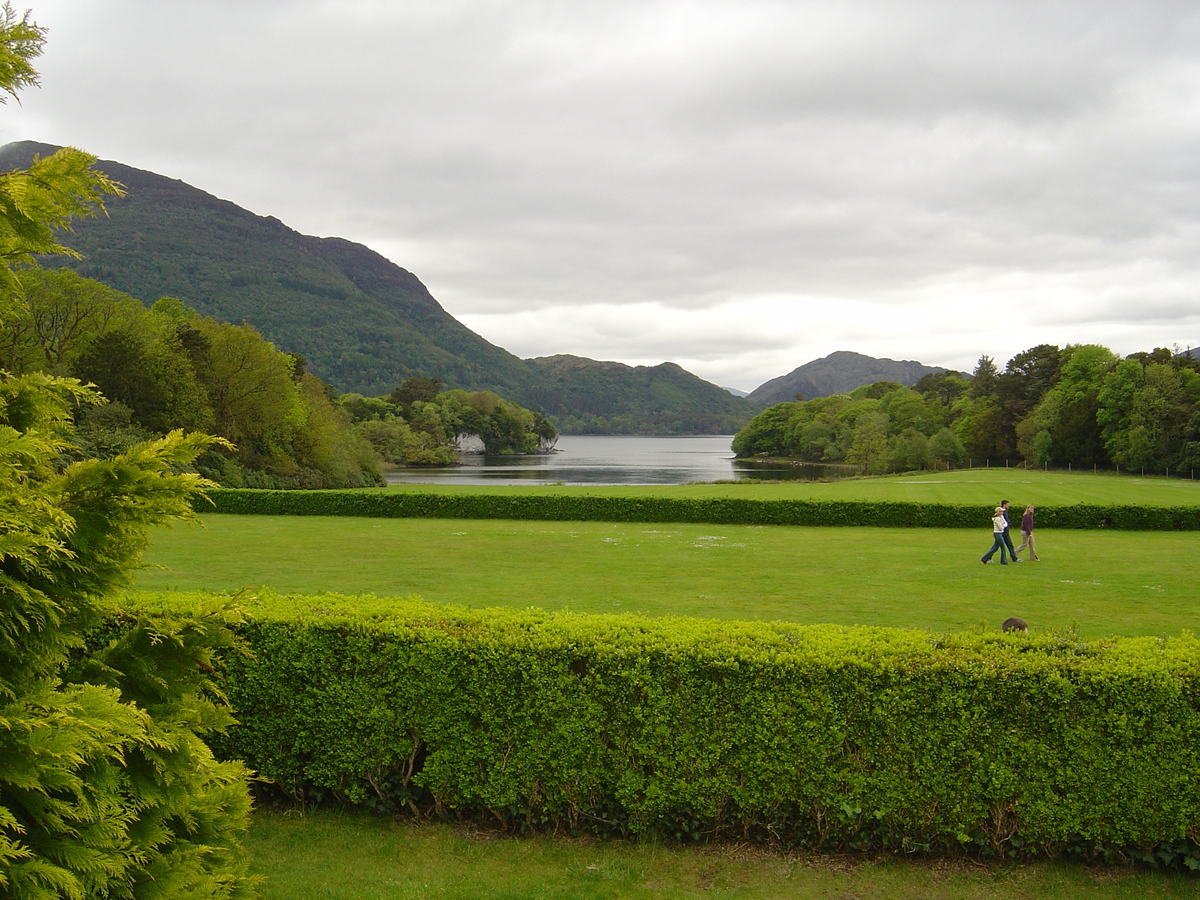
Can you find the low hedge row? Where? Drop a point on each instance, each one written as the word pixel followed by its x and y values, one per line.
pixel 714 511
pixel 817 736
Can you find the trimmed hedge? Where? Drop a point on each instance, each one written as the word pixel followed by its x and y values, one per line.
pixel 817 736
pixel 713 511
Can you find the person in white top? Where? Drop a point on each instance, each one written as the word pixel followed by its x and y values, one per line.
pixel 999 525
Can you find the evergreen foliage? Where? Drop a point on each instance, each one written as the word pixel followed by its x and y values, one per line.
pixel 39 200
pixel 1080 405
pixel 107 788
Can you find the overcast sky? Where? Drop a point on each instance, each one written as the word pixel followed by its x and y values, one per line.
pixel 738 186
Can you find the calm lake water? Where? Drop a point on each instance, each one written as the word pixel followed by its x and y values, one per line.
pixel 611 459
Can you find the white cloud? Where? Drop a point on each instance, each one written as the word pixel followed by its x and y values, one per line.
pixel 739 186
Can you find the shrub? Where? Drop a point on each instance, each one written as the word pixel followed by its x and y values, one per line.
pixel 107 787
pixel 820 736
pixel 715 511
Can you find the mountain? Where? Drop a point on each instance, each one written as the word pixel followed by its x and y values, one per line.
pixel 363 323
pixel 838 373
pixel 586 395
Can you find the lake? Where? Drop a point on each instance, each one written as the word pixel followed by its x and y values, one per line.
pixel 613 459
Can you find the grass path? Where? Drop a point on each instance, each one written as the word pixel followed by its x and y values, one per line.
pixel 351 857
pixel 1127 583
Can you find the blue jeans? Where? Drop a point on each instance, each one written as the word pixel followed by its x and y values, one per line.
pixel 1012 551
pixel 997 544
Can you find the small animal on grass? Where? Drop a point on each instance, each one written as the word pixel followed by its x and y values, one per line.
pixel 1012 623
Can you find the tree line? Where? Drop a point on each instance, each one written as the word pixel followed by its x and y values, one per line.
pixel 419 423
pixel 167 367
pixel 1079 405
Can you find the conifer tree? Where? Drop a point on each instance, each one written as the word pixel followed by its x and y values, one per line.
pixel 107 788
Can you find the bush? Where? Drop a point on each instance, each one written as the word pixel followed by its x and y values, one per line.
pixel 817 736
pixel 714 511
pixel 107 787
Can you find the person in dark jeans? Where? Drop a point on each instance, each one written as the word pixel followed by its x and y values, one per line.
pixel 1008 538
pixel 998 525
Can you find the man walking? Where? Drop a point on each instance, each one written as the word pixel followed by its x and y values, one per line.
pixel 1007 537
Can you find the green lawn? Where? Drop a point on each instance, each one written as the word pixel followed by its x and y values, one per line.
pixel 335 856
pixel 986 487
pixel 1127 583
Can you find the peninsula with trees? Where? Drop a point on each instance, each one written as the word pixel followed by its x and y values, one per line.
pixel 1076 406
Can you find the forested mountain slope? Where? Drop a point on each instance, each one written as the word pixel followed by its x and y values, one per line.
pixel 586 396
pixel 363 323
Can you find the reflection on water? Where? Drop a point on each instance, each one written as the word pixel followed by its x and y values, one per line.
pixel 615 459
pixel 750 470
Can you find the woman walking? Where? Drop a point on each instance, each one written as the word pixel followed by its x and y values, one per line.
pixel 1027 533
pixel 999 524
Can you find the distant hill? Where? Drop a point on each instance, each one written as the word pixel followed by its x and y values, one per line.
pixel 838 373
pixel 363 323
pixel 586 395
